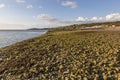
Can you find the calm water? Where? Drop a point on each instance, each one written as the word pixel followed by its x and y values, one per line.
pixel 10 37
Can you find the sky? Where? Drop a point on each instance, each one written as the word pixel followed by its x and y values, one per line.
pixel 24 14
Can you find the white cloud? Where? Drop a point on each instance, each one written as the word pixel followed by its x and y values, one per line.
pixel 94 18
pixel 46 17
pixel 97 19
pixel 49 19
pixel 29 6
pixel 69 3
pixel 113 17
pixel 81 19
pixel 2 5
pixel 107 18
pixel 52 21
pixel 20 1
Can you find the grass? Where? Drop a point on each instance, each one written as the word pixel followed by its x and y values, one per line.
pixel 63 55
pixel 83 26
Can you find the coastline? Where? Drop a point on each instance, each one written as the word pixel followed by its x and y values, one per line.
pixel 63 55
pixel 19 35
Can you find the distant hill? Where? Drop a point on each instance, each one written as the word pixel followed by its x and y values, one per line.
pixel 38 29
pixel 100 25
pixel 89 26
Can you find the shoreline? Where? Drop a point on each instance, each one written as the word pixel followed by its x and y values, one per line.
pixel 44 32
pixel 63 54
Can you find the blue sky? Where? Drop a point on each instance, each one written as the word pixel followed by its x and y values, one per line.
pixel 23 14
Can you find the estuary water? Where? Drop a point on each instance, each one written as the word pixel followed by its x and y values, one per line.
pixel 9 37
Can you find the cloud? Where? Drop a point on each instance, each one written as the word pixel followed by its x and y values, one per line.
pixel 2 5
pixel 94 18
pixel 69 4
pixel 29 6
pixel 52 21
pixel 21 1
pixel 107 18
pixel 113 17
pixel 81 19
pixel 46 17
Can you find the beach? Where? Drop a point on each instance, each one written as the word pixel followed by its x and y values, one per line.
pixel 63 55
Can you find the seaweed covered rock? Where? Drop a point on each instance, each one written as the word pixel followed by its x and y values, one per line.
pixel 69 55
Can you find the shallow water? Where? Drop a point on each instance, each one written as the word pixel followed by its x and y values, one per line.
pixel 10 37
